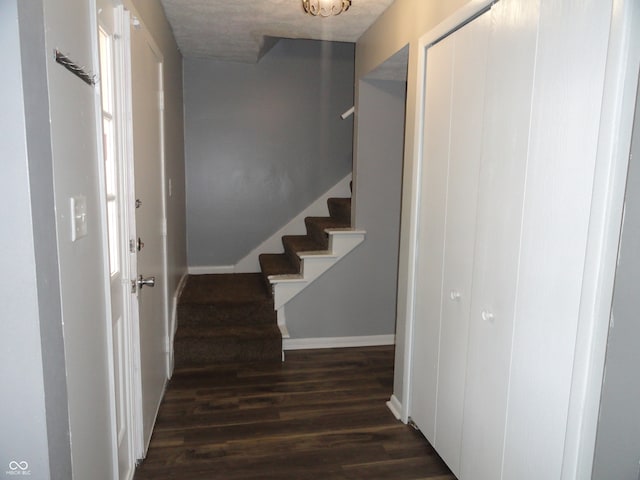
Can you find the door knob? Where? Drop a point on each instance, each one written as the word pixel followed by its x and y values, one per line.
pixel 487 316
pixel 149 282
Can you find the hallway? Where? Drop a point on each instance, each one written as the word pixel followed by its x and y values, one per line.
pixel 319 415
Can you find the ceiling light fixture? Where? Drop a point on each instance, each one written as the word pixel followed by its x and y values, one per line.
pixel 325 8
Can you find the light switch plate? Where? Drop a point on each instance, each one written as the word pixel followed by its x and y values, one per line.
pixel 78 217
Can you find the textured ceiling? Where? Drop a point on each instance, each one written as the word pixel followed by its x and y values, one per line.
pixel 235 30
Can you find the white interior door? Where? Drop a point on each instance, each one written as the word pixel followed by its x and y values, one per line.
pixel 478 87
pixel 464 160
pixel 430 259
pixel 110 22
pixel 505 143
pixel 452 133
pixel 147 111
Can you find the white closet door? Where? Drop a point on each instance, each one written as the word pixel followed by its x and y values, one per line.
pixel 505 139
pixel 465 144
pixel 429 268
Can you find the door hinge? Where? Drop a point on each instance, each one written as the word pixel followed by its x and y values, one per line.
pixel 161 100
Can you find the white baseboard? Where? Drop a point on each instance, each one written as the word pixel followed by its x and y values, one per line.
pixel 173 326
pixel 174 308
pixel 337 342
pixel 395 406
pixel 210 269
pixel 147 441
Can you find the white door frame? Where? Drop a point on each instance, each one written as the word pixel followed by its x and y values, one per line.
pixel 603 236
pixel 132 346
pixel 125 15
pixel 134 19
pixel 129 234
pixel 130 16
pixel 616 126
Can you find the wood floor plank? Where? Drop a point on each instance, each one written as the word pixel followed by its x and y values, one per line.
pixel 321 415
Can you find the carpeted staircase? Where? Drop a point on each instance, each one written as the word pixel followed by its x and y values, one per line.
pixel 316 239
pixel 230 318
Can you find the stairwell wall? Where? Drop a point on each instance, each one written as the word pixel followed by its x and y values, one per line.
pixel 262 141
pixel 357 297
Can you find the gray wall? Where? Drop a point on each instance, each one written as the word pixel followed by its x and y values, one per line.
pixel 44 230
pixel 617 452
pixel 263 141
pixel 81 264
pixel 56 385
pixel 23 420
pixel 357 296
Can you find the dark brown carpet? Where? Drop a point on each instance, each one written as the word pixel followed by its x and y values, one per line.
pixel 226 318
pixel 230 318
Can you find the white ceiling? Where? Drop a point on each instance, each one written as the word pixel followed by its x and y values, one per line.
pixel 235 30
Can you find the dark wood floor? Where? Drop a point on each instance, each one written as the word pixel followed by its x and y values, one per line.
pixel 320 415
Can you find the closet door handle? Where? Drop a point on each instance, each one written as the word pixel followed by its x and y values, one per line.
pixel 454 295
pixel 487 316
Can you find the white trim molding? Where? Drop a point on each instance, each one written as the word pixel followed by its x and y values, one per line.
pixel 337 342
pixel 173 327
pixel 395 406
pixel 211 269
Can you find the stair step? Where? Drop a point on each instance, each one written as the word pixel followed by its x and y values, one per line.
pixel 227 314
pixel 226 288
pixel 275 264
pixel 202 346
pixel 316 228
pixel 293 244
pixel 340 209
pixel 226 318
pixel 226 299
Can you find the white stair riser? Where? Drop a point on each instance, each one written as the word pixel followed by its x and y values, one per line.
pixel 312 267
pixel 341 243
pixel 285 291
